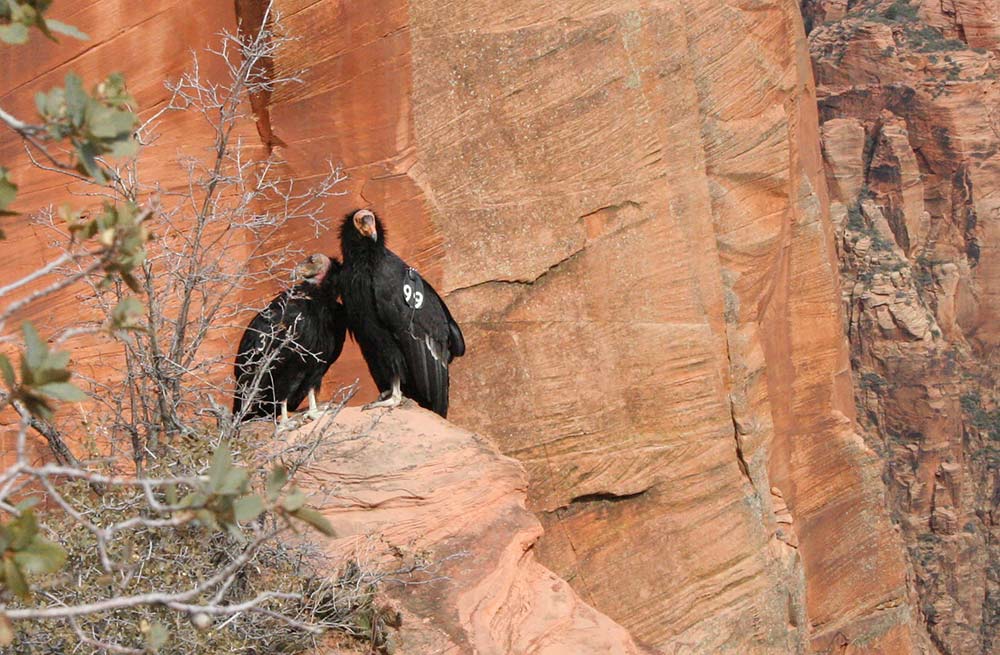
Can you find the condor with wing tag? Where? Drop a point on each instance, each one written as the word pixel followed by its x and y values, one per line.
pixel 406 333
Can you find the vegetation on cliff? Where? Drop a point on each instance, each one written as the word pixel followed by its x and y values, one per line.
pixel 908 99
pixel 162 525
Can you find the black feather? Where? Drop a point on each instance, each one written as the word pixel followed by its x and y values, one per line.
pixel 400 336
pixel 297 336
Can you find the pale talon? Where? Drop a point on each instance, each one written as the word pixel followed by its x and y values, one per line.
pixel 314 411
pixel 285 423
pixel 387 398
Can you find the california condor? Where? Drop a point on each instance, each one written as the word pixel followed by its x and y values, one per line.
pixel 288 347
pixel 405 331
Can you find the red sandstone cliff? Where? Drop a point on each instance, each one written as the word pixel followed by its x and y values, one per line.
pixel 626 205
pixel 908 96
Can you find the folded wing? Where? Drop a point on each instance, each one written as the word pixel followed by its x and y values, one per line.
pixel 428 336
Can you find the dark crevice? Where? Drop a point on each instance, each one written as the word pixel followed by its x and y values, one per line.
pixel 605 496
pixel 523 283
pixel 740 459
pixel 250 19
pixel 571 256
pixel 613 208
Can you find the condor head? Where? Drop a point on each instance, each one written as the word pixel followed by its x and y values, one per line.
pixel 313 269
pixel 366 224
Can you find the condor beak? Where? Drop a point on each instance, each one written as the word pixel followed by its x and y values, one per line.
pixel 371 228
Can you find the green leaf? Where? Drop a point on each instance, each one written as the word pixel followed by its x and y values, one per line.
pixel 27 504
pixel 7 371
pixel 237 534
pixel 315 519
pixel 275 481
pixel 63 28
pixel 41 556
pixel 39 22
pixel 126 314
pixel 87 154
pixel 77 99
pixel 294 500
pixel 107 123
pixel 48 374
pixel 35 348
pixel 55 101
pixel 8 190
pixel 194 499
pixel 156 637
pixel 57 360
pixel 247 508
pixel 37 406
pixel 113 91
pixel 55 109
pixel 14 33
pixel 207 518
pixel 22 530
pixel 63 391
pixel 222 461
pixel 124 147
pixel 233 482
pixel 14 579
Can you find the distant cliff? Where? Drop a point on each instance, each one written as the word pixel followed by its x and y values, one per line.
pixel 908 97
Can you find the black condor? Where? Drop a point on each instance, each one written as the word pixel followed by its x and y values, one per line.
pixel 288 347
pixel 405 331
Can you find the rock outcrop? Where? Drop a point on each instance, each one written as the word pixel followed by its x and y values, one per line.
pixel 908 95
pixel 406 482
pixel 626 205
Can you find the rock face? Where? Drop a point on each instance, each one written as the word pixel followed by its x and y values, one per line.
pixel 626 206
pixel 409 482
pixel 908 96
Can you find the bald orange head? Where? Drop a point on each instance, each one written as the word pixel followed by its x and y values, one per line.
pixel 364 223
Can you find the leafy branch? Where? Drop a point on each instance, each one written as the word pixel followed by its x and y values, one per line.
pixel 17 18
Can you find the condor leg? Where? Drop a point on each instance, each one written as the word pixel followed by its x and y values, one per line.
pixel 393 398
pixel 314 411
pixel 285 423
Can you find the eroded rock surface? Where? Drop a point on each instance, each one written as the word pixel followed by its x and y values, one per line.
pixel 405 481
pixel 908 97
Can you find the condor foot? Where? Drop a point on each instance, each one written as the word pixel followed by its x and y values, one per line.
pixel 388 398
pixel 315 413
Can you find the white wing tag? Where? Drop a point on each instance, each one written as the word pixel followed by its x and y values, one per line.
pixel 413 289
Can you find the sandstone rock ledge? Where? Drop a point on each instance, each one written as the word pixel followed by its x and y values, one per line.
pixel 415 482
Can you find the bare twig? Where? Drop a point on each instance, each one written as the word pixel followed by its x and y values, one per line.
pixel 217 240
